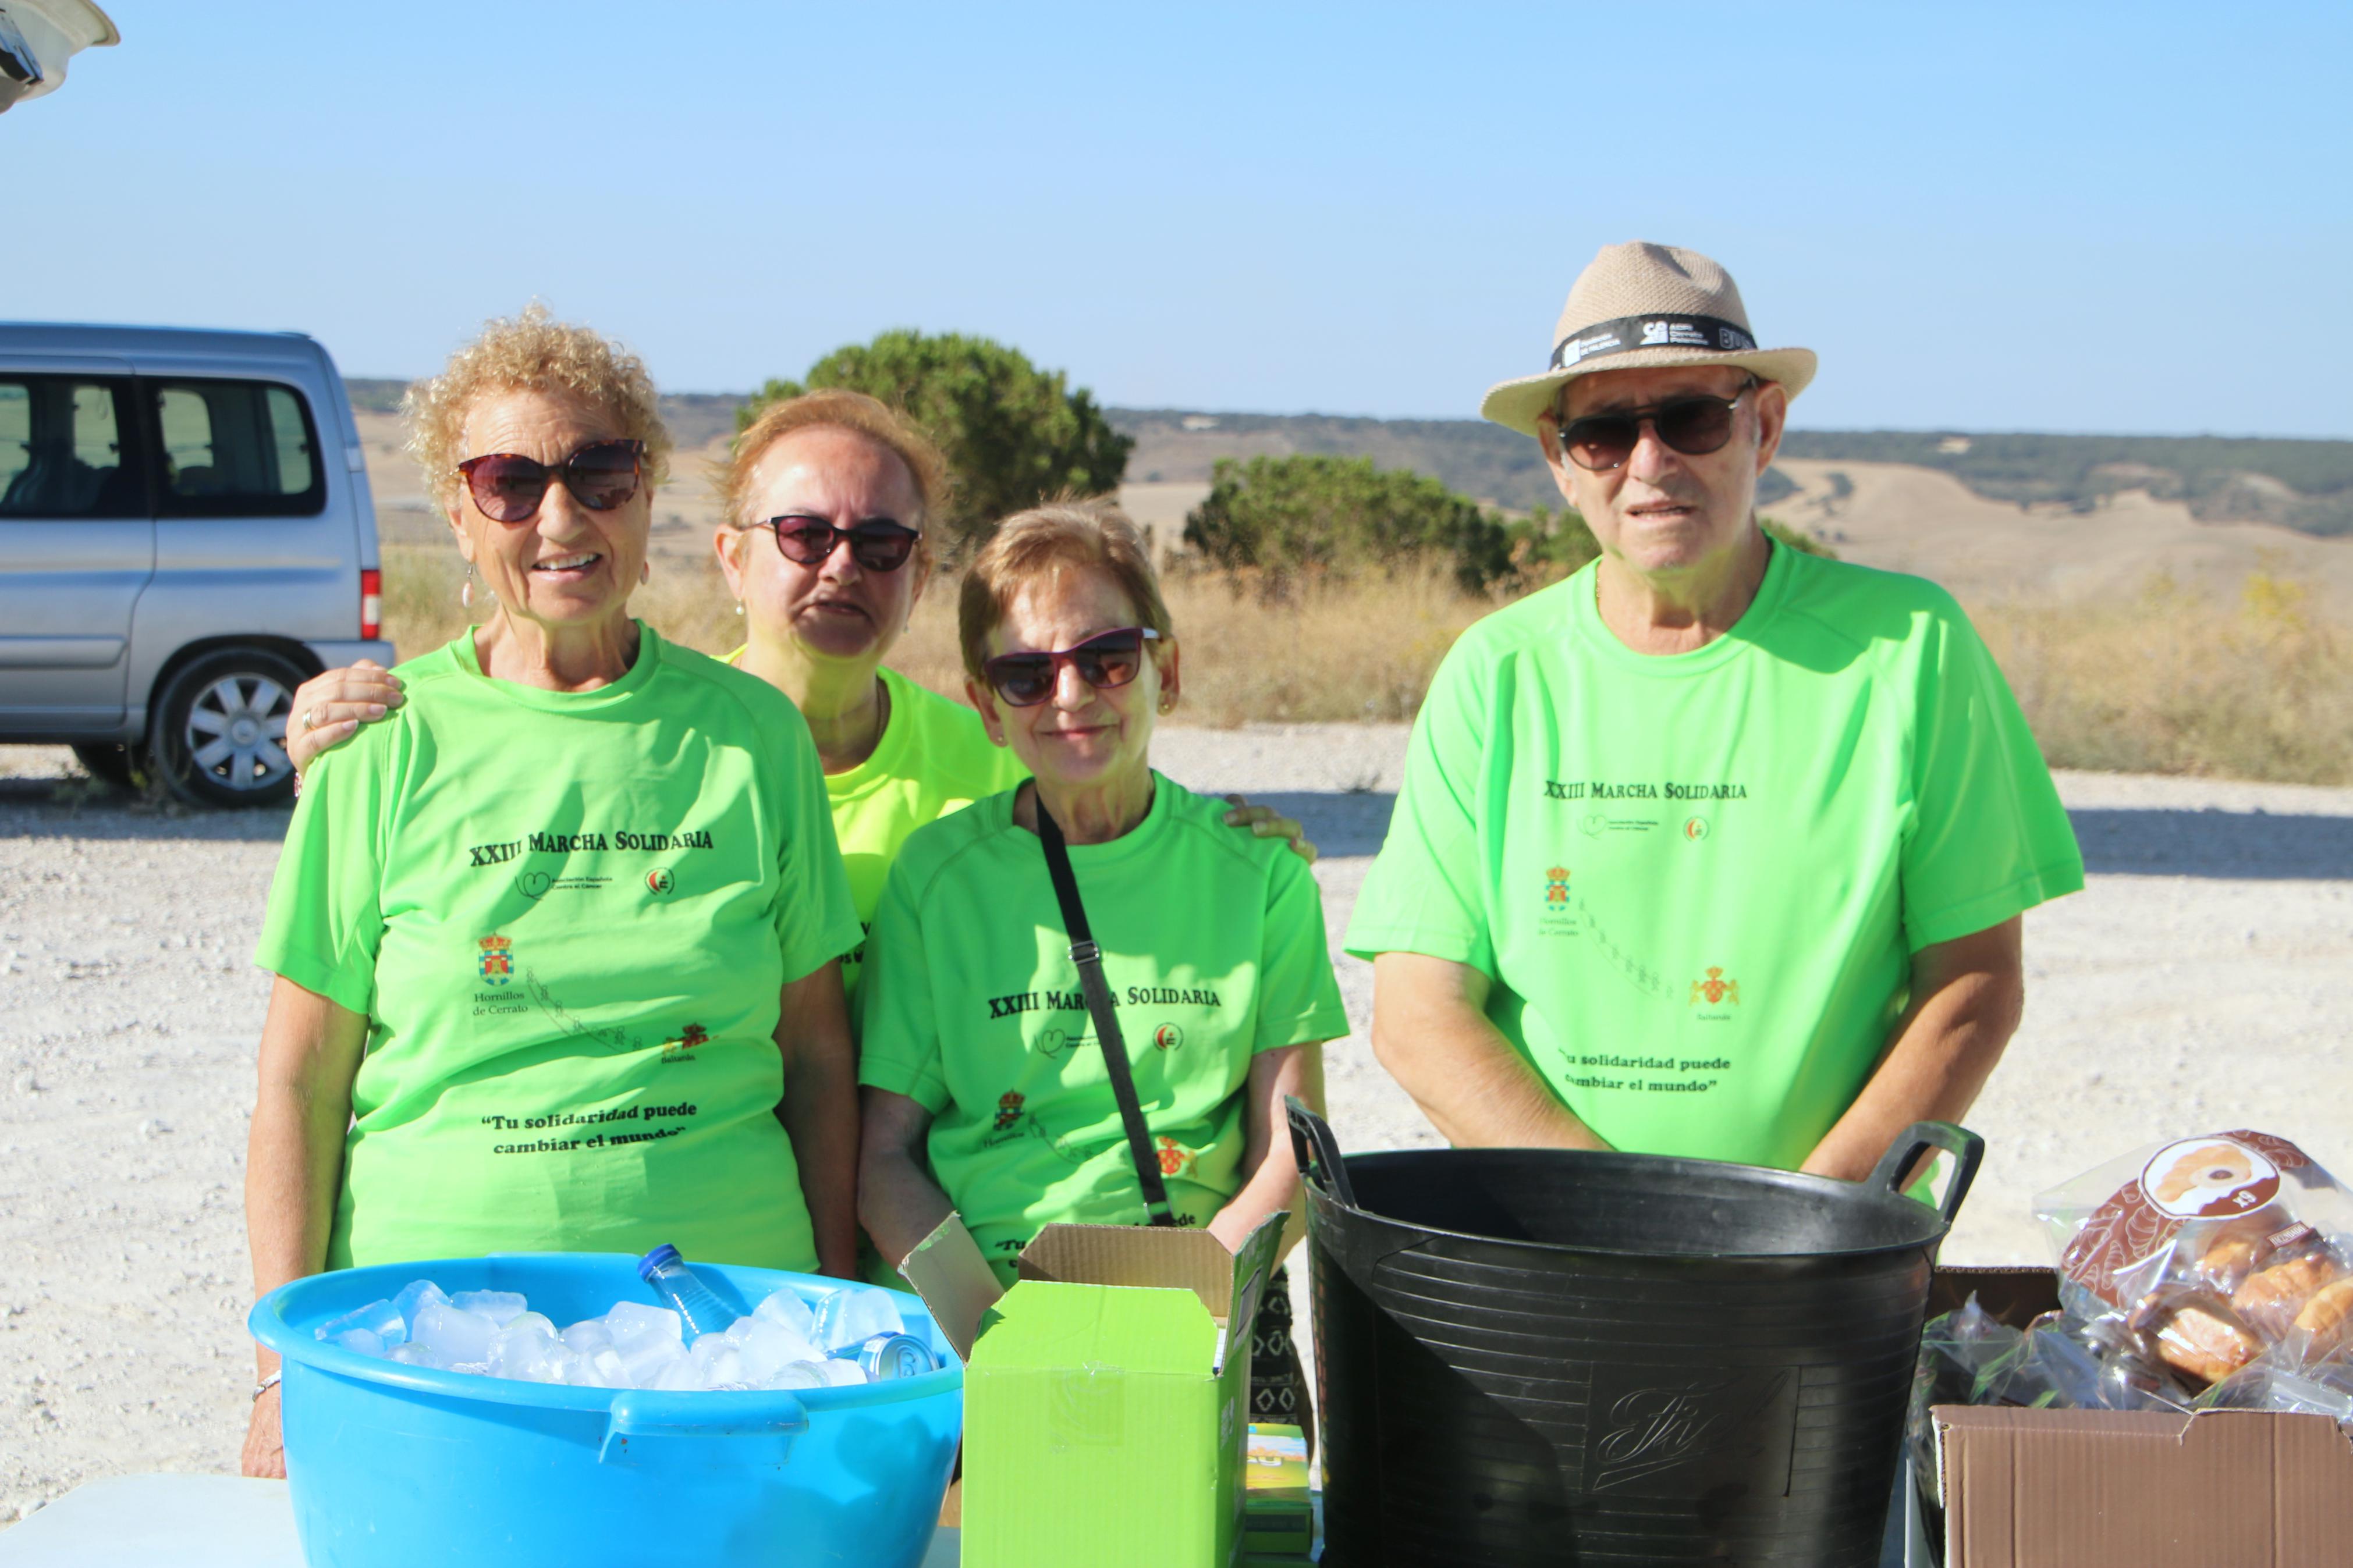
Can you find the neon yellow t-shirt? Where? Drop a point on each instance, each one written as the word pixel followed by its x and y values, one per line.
pixel 1213 946
pixel 1698 879
pixel 567 917
pixel 933 757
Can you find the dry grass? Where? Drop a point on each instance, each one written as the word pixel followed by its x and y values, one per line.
pixel 2174 683
pixel 2171 683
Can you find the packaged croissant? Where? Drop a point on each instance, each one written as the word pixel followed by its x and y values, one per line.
pixel 2216 1251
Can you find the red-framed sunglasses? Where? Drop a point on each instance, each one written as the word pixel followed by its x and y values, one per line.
pixel 1104 661
pixel 877 543
pixel 508 487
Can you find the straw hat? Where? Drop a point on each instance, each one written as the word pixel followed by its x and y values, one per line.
pixel 1639 305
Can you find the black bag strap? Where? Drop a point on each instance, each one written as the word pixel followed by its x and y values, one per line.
pixel 1089 958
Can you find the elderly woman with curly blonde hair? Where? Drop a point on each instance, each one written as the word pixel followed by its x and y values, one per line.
pixel 556 942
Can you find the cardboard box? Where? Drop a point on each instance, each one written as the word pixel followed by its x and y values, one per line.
pixel 2098 1489
pixel 1105 1393
pixel 1278 1501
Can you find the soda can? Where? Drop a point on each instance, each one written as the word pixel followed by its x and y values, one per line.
pixel 896 1355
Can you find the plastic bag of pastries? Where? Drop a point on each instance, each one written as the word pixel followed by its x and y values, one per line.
pixel 2219 1251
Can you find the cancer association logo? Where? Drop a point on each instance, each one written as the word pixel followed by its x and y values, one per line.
pixel 1557 887
pixel 1168 1037
pixel 497 963
pixel 1715 989
pixel 1695 828
pixel 659 881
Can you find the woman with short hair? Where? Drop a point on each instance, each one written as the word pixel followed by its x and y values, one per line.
pixel 987 1090
pixel 554 942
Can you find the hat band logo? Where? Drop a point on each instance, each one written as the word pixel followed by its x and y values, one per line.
pixel 1710 334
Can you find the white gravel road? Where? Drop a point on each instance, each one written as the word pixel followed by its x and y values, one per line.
pixel 2202 981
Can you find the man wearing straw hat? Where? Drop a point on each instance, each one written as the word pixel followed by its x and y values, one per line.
pixel 1715 848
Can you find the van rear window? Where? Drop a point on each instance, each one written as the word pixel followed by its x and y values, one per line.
pixel 235 448
pixel 62 450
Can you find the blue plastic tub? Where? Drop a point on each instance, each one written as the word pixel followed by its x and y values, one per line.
pixel 397 1466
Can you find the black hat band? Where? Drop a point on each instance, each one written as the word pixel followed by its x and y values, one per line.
pixel 1627 333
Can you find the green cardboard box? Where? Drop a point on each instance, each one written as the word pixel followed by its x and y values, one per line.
pixel 1105 1399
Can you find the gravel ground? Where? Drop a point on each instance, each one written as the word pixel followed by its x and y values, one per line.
pixel 2198 983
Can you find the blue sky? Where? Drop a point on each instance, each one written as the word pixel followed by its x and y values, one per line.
pixel 2122 217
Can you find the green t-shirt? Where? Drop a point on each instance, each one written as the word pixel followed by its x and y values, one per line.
pixel 567 917
pixel 1213 947
pixel 1697 880
pixel 933 757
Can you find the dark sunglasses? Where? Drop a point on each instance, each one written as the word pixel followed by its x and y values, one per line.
pixel 508 487
pixel 1106 660
pixel 878 544
pixel 1691 425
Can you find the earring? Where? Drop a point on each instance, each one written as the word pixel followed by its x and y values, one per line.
pixel 645 570
pixel 739 606
pixel 466 589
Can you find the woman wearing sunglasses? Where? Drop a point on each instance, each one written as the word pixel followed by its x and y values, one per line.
pixel 991 1085
pixel 556 944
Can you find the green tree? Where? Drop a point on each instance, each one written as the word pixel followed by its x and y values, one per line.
pixel 1301 516
pixel 1548 544
pixel 1013 434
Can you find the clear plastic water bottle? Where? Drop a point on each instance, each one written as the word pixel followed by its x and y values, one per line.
pixel 700 1309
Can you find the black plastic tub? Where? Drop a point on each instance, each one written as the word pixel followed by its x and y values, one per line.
pixel 1538 1356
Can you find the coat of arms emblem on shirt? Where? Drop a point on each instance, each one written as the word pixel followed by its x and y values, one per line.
pixel 1557 886
pixel 498 960
pixel 1715 988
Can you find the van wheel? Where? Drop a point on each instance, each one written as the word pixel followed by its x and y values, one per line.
pixel 109 763
pixel 218 734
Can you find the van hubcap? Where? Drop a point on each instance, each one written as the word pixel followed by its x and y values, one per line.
pixel 237 731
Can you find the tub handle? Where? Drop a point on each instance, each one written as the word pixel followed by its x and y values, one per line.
pixel 1966 1147
pixel 1318 1153
pixel 646 1414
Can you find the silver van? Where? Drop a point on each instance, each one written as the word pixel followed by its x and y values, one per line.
pixel 185 536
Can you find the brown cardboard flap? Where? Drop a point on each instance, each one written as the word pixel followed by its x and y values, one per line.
pixel 1155 1256
pixel 2092 1488
pixel 953 1279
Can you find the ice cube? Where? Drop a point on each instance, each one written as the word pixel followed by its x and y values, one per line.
pixel 525 1349
pixel 381 1319
pixel 412 1298
pixel 797 1374
pixel 851 1316
pixel 717 1363
pixel 500 1307
pixel 679 1376
pixel 842 1373
pixel 588 1336
pixel 364 1341
pixel 786 1308
pixel 630 1323
pixel 410 1355
pixel 605 1370
pixel 454 1334
pixel 644 1359
pixel 768 1345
